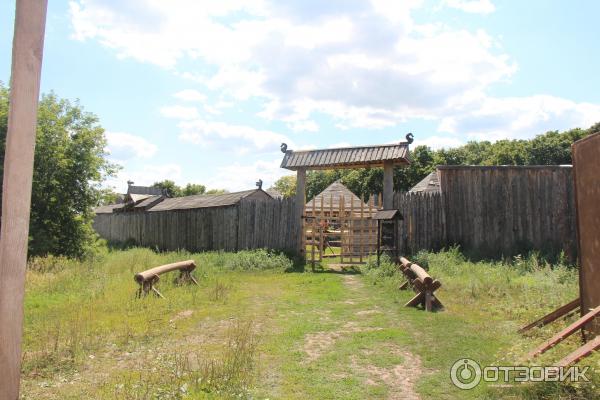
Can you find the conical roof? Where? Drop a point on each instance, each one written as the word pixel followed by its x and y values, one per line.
pixel 429 184
pixel 335 192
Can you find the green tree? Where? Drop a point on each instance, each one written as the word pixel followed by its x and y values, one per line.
pixel 169 188
pixel 192 188
pixel 286 185
pixel 69 166
pixel 217 191
pixel 108 196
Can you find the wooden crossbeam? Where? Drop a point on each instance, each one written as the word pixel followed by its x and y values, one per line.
pixel 565 333
pixel 580 353
pixel 553 316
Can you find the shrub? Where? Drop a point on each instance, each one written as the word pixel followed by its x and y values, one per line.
pixel 258 260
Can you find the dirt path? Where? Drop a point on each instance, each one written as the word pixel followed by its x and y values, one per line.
pixel 399 379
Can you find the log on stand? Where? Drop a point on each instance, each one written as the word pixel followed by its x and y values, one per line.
pixel 149 278
pixel 423 285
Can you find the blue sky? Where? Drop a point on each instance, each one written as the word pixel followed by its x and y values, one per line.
pixel 205 91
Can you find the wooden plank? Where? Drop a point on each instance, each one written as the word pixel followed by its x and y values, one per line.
pixel 553 316
pixel 565 333
pixel 580 353
pixel 28 44
pixel 587 197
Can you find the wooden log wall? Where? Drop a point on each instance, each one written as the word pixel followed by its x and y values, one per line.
pixel 488 211
pixel 424 224
pixel 507 210
pixel 250 224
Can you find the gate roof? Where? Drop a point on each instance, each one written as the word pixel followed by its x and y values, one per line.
pixel 347 157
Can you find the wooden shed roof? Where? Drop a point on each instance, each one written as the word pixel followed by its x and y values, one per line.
pixel 335 192
pixel 429 184
pixel 149 202
pixel 108 209
pixel 144 190
pixel 204 200
pixel 347 157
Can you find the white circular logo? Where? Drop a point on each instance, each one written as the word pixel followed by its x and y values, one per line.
pixel 465 374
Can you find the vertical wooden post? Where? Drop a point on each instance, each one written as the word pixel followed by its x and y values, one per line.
pixel 342 226
pixel 321 229
pixel 300 201
pixel 388 185
pixel 28 44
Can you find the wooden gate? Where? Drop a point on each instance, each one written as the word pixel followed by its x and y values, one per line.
pixel 340 228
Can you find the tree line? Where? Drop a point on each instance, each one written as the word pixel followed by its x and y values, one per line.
pixel 550 148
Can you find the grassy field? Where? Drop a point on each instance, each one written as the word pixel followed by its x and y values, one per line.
pixel 260 327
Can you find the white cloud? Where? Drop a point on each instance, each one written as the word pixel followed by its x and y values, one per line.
pixel 363 64
pixel 179 112
pixel 145 175
pixel 366 64
pixel 340 145
pixel 244 176
pixel 209 133
pixel 190 95
pixel 519 117
pixel 438 142
pixel 123 145
pixel 471 6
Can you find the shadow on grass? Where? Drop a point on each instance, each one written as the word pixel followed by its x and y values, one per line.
pixel 300 267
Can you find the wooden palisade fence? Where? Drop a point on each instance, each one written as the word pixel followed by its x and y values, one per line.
pixel 506 210
pixel 488 211
pixel 249 225
pixel 424 224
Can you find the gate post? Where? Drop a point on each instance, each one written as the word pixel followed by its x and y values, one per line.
pixel 388 185
pixel 300 200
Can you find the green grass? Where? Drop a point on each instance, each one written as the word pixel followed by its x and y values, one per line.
pixel 253 330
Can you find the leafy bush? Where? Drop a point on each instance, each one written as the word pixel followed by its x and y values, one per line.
pixel 386 269
pixel 48 264
pixel 258 260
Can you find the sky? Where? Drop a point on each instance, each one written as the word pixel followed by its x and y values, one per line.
pixel 205 91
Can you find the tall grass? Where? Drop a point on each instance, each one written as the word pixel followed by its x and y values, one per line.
pixel 503 295
pixel 228 373
pixel 70 304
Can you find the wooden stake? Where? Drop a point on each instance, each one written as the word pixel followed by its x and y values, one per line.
pixel 28 44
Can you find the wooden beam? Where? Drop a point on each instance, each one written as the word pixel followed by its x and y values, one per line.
pixel 187 266
pixel 552 316
pixel 388 185
pixel 565 333
pixel 580 353
pixel 300 202
pixel 28 44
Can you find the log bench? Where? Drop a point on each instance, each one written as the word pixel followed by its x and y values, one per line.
pixel 423 285
pixel 147 279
